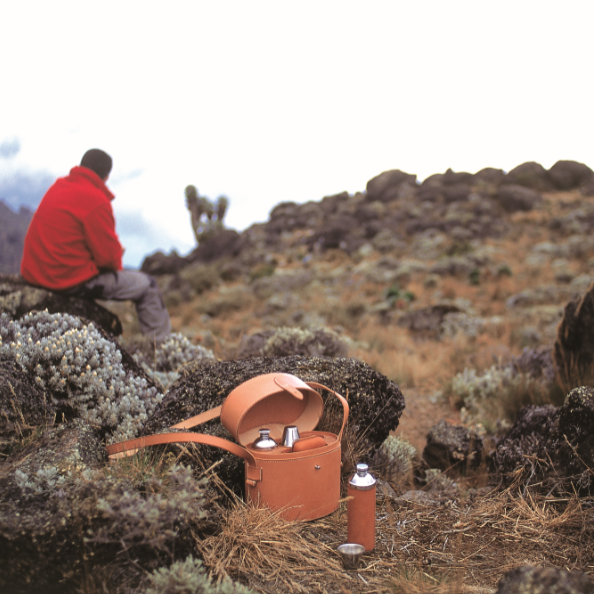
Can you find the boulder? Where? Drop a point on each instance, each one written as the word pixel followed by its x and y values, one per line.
pixel 338 232
pixel 531 579
pixel 159 263
pixel 451 178
pixel 489 175
pixel 530 175
pixel 514 197
pixel 65 517
pixel 574 345
pixel 569 175
pixel 551 447
pixel 40 541
pixel 452 448
pixel 225 242
pixel 18 298
pixel 456 192
pixel 384 187
pixel 587 188
pixel 24 406
pixel 431 192
pixel 427 321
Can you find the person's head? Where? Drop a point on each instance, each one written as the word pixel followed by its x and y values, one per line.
pixel 98 161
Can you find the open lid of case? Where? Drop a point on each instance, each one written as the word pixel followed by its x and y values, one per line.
pixel 272 400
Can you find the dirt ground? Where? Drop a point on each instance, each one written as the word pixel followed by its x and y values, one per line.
pixel 422 412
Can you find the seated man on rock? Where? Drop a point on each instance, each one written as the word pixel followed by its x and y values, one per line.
pixel 71 246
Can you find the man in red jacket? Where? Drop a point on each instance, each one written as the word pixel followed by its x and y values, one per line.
pixel 71 246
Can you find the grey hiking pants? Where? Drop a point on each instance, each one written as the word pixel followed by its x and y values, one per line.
pixel 131 285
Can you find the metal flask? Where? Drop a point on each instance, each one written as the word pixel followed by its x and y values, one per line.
pixel 290 435
pixel 361 508
pixel 264 442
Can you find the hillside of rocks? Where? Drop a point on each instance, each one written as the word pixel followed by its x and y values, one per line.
pixel 455 315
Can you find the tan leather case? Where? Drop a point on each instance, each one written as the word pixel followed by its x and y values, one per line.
pixel 301 485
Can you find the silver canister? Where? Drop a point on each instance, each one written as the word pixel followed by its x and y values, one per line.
pixel 265 442
pixel 290 435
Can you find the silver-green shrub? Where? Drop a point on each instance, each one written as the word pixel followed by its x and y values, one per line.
pixel 189 577
pixel 437 480
pixel 478 391
pixel 81 368
pixel 45 480
pixel 170 356
pixel 133 518
pixel 315 342
pixel 395 458
pixel 149 518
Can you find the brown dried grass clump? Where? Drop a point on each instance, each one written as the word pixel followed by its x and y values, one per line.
pixel 257 547
pixel 461 543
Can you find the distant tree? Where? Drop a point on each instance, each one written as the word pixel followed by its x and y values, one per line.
pixel 206 216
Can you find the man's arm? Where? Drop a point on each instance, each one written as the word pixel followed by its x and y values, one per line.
pixel 102 240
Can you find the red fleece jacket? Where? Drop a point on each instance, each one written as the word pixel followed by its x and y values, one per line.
pixel 72 234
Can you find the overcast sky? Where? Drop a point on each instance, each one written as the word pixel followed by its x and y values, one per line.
pixel 269 101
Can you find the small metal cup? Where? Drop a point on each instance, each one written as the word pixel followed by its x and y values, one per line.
pixel 290 435
pixel 351 554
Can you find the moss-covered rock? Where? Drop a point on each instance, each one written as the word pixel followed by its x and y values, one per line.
pixel 544 580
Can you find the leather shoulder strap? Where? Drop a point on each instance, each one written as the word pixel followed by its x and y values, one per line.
pixel 131 446
pixel 345 404
pixel 213 413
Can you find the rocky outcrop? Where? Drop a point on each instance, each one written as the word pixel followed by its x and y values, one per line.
pixel 544 580
pixel 574 346
pixel 18 298
pixel 24 406
pixel 514 198
pixel 427 321
pixel 65 516
pixel 39 543
pixel 569 175
pixel 452 448
pixel 160 263
pixel 385 186
pixel 530 175
pixel 551 447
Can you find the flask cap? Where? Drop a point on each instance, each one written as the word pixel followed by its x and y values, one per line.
pixel 362 480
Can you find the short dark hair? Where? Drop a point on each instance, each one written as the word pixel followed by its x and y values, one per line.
pixel 98 161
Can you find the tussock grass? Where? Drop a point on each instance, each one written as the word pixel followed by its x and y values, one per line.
pixel 462 545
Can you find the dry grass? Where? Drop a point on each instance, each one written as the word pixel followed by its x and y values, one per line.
pixel 461 545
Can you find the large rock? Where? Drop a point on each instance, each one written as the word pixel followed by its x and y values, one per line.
pixel 338 232
pixel 18 298
pixel 160 263
pixel 427 321
pixel 67 519
pixel 24 406
pixel 451 177
pixel 452 448
pixel 223 243
pixel 530 175
pixel 574 346
pixel 532 579
pixel 514 197
pixel 40 541
pixel 489 175
pixel 569 175
pixel 384 187
pixel 551 448
pixel 376 403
